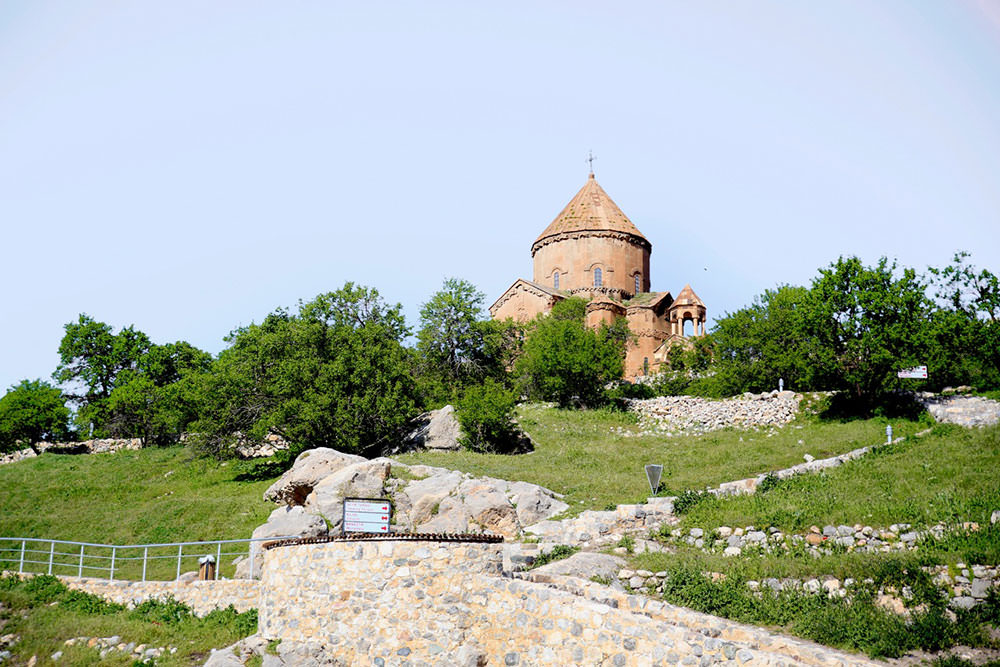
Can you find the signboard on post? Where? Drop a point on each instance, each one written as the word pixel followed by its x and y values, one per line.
pixel 918 373
pixel 366 515
pixel 653 473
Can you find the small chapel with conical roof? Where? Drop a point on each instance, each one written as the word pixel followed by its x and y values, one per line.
pixel 592 250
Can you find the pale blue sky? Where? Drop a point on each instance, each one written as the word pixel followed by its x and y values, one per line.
pixel 187 167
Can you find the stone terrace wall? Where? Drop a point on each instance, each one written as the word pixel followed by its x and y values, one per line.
pixel 201 596
pixel 420 603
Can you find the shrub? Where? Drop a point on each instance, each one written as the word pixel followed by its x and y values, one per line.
pixel 688 499
pixel 486 414
pixel 559 552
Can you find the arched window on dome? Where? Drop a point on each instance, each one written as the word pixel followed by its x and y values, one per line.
pixel 638 283
pixel 555 280
pixel 598 278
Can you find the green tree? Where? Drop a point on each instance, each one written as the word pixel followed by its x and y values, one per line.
pixel 333 375
pixel 564 361
pixel 758 345
pixel 456 348
pixel 31 412
pixel 965 347
pixel 92 358
pixel 864 324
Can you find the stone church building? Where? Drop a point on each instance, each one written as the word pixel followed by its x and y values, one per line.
pixel 592 250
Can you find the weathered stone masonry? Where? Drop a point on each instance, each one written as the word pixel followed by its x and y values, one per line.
pixel 415 603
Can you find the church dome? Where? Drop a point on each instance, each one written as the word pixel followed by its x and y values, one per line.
pixel 590 210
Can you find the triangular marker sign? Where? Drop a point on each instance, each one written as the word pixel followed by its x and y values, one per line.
pixel 653 473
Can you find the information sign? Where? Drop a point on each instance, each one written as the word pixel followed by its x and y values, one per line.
pixel 919 373
pixel 366 515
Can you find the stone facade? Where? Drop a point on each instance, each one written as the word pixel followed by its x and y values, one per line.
pixel 592 250
pixel 392 602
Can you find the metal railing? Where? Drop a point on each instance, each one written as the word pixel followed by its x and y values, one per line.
pixel 131 562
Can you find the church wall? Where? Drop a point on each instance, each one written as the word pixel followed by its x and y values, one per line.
pixel 577 254
pixel 520 305
pixel 651 330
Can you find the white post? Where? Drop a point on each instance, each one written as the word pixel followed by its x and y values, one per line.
pixel 145 557
pixel 180 551
pixel 79 571
pixel 114 552
pixel 218 560
pixel 252 545
pixel 20 567
pixel 52 553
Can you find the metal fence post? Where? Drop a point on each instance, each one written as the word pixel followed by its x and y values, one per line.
pixel 20 567
pixel 52 553
pixel 79 571
pixel 252 553
pixel 145 557
pixel 218 560
pixel 114 552
pixel 180 551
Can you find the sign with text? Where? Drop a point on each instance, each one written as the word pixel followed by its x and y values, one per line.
pixel 366 515
pixel 919 373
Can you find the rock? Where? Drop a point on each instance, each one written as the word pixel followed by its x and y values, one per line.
pixel 294 520
pixel 995 517
pixel 534 503
pixel 981 588
pixel 732 551
pixel 586 564
pixel 487 505
pixel 437 429
pixel 963 602
pixel 696 532
pixel 310 467
pixel 365 479
pixel 224 657
pixel 187 577
pixel 424 496
pixel 724 531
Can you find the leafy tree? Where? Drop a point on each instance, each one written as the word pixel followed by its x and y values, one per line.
pixel 965 346
pixel 333 375
pixel 864 324
pixel 91 360
pixel 456 348
pixel 31 412
pixel 564 361
pixel 758 345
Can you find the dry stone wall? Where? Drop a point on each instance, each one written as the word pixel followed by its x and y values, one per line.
pixel 96 446
pixel 202 596
pixel 409 603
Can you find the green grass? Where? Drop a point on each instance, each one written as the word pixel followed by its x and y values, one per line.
pixel 43 613
pixel 146 496
pixel 951 474
pixel 583 454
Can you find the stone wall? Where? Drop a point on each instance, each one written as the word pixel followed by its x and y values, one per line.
pixel 201 596
pixel 393 602
pixel 96 446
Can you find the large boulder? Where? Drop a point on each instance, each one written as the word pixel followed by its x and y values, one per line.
pixel 285 521
pixel 420 500
pixel 534 503
pixel 365 479
pixel 437 429
pixel 309 468
pixel 585 565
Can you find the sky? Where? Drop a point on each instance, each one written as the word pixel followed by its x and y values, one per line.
pixel 188 167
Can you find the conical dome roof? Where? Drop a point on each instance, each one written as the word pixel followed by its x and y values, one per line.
pixel 591 209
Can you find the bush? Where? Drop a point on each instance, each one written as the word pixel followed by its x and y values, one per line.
pixel 486 414
pixel 559 552
pixel 688 499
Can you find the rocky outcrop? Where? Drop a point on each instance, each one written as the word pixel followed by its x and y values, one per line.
pixel 677 415
pixel 425 498
pixel 309 468
pixel 437 429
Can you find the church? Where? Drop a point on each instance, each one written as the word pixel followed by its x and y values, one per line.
pixel 592 250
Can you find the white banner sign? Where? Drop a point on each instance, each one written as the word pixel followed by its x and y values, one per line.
pixel 366 515
pixel 920 373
